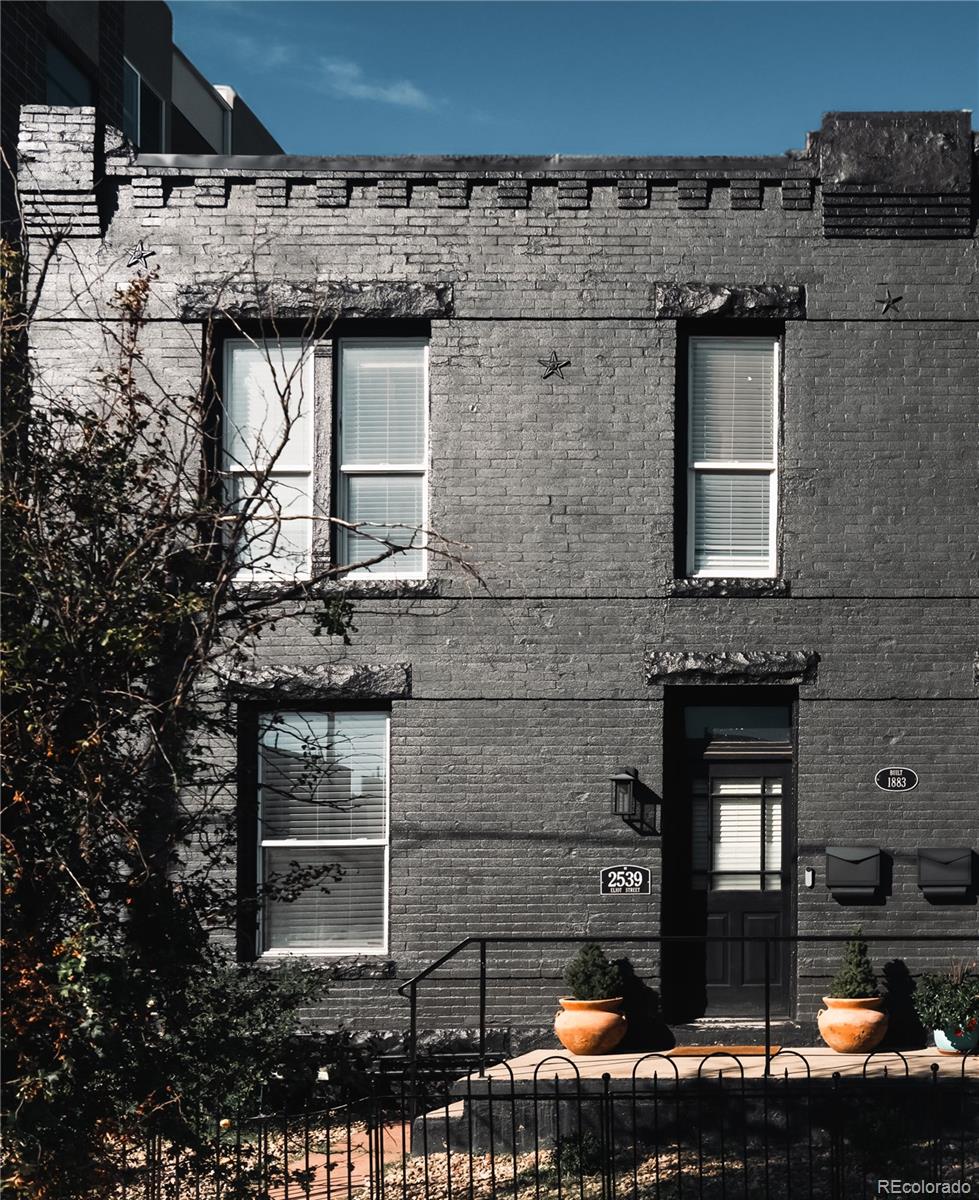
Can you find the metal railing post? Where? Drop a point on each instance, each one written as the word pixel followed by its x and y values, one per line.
pixel 413 1042
pixel 482 1007
pixel 768 1005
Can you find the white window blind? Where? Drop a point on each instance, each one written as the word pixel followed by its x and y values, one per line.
pixel 383 401
pixel 323 800
pixel 732 441
pixel 268 428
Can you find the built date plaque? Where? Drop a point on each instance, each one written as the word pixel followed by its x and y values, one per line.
pixel 896 779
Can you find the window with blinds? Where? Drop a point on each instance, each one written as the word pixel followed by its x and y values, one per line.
pixel 737 834
pixel 323 802
pixel 268 453
pixel 732 439
pixel 382 455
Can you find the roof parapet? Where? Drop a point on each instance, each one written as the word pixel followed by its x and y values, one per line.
pixel 887 174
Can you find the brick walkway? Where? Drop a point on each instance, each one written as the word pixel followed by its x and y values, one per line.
pixel 347 1167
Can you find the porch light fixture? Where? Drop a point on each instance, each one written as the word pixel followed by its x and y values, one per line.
pixel 634 802
pixel 625 802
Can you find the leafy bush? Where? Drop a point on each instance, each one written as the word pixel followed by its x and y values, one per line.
pixel 124 1006
pixel 580 1156
pixel 855 979
pixel 590 975
pixel 949 1000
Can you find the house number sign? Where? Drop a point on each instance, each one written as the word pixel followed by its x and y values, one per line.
pixel 626 881
pixel 896 779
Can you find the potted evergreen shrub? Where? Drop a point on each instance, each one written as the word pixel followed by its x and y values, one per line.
pixel 853 1021
pixel 947 1003
pixel 590 1021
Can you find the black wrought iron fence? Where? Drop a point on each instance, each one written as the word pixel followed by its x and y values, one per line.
pixel 724 1127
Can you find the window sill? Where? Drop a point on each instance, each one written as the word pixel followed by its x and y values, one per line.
pixel 362 587
pixel 708 586
pixel 258 589
pixel 333 965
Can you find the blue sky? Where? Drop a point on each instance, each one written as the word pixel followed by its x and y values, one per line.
pixel 655 77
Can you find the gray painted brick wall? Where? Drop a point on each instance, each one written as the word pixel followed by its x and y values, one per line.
pixel 526 698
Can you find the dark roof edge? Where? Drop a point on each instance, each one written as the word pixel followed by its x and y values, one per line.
pixel 775 166
pixel 878 114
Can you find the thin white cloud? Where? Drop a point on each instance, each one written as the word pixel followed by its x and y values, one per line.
pixel 347 79
pixel 257 53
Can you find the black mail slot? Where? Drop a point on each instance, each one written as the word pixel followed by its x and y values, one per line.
pixel 944 872
pixel 853 872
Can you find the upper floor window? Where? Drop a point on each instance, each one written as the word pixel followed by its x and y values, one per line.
pixel 142 111
pixel 382 455
pixel 732 441
pixel 268 452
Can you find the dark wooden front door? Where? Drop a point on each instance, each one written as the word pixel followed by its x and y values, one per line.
pixel 739 860
pixel 730 877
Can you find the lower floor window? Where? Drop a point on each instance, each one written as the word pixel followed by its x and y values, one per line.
pixel 323 832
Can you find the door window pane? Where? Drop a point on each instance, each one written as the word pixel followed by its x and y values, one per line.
pixel 700 858
pixel 736 834
pixel 730 850
pixel 766 723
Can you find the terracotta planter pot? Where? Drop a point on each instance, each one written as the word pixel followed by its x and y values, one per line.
pixel 590 1026
pixel 852 1026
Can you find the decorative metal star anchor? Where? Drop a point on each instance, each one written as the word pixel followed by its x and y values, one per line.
pixel 890 302
pixel 554 365
pixel 139 256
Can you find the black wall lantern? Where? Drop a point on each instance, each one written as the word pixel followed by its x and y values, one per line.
pixel 635 804
pixel 625 802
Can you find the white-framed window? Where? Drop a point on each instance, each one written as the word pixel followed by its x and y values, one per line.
pixel 732 456
pixel 382 454
pixel 323 803
pixel 269 409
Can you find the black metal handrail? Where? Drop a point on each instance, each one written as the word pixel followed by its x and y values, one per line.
pixel 410 987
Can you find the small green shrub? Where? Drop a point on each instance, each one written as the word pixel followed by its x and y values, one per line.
pixel 949 1000
pixel 580 1157
pixel 590 975
pixel 855 979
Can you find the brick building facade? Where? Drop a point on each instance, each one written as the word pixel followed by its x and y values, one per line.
pixel 609 632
